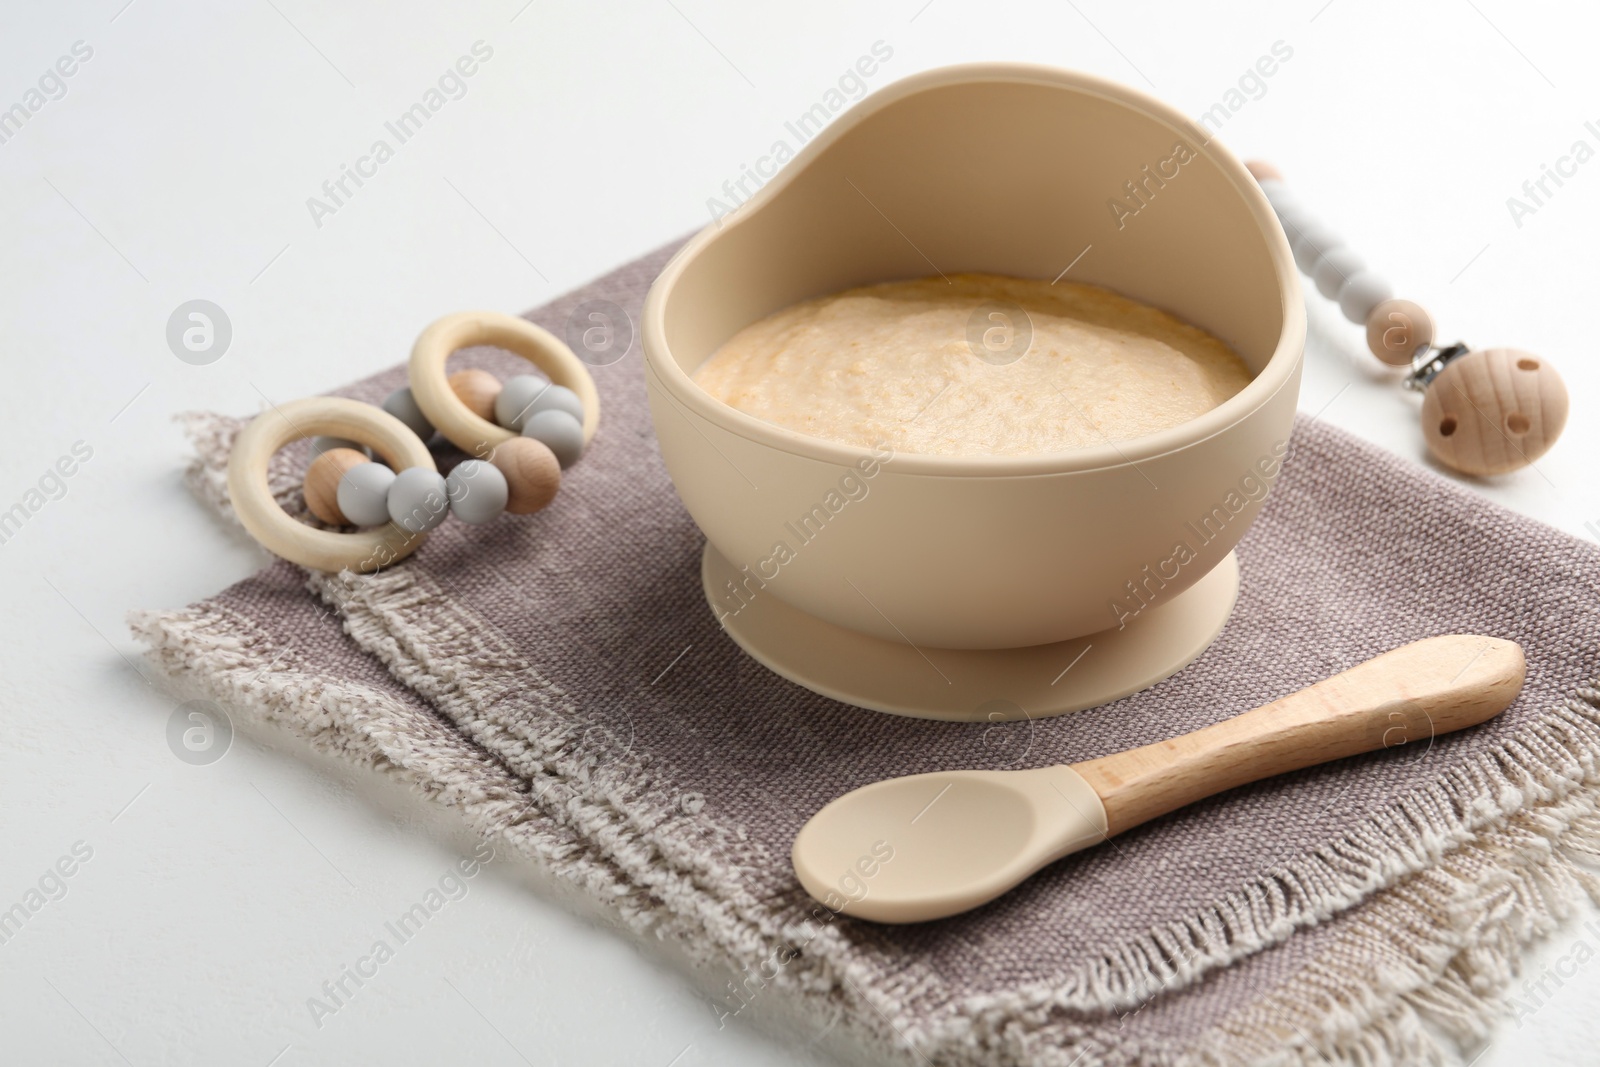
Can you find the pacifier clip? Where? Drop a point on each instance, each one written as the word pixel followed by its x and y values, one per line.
pixel 1485 411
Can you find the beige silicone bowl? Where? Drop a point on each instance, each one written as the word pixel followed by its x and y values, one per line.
pixel 953 575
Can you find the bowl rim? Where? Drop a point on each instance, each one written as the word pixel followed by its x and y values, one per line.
pixel 1279 372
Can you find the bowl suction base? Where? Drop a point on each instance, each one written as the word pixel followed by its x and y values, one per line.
pixel 976 685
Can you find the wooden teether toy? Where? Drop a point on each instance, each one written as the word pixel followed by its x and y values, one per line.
pixel 1484 411
pixel 462 405
pixel 932 845
pixel 541 428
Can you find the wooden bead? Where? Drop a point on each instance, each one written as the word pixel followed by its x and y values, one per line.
pixel 1493 411
pixel 533 474
pixel 477 389
pixel 1396 329
pixel 321 486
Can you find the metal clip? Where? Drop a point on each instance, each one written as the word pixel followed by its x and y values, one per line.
pixel 1429 362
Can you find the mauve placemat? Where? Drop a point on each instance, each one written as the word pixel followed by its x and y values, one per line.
pixel 559 680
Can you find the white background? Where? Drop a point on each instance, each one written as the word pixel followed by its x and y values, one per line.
pixel 177 166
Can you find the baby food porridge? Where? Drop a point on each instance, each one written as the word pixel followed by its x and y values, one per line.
pixel 974 364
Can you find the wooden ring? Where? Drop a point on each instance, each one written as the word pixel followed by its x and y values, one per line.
pixel 431 388
pixel 282 534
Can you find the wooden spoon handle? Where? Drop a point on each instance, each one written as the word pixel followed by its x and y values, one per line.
pixel 1405 696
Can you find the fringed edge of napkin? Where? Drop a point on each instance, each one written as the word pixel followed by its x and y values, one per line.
pixel 1531 781
pixel 1449 941
pixel 1438 947
pixel 1449 884
pixel 207 473
pixel 1450 936
pixel 575 819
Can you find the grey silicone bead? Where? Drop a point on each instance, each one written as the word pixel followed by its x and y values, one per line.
pixel 403 406
pixel 1360 293
pixel 526 395
pixel 1335 266
pixel 477 490
pixel 1294 223
pixel 1309 246
pixel 319 445
pixel 560 398
pixel 418 500
pixel 559 431
pixel 364 494
pixel 515 402
pixel 1294 216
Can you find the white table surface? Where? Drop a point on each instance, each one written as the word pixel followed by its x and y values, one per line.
pixel 177 165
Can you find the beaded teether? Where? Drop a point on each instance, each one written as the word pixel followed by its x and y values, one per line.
pixel 1484 411
pixel 462 405
pixel 540 428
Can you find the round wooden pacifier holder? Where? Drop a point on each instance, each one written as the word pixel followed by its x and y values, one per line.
pixel 282 534
pixel 1485 411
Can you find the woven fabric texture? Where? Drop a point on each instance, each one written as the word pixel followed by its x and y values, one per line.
pixel 560 681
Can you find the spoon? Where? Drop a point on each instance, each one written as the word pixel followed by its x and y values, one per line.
pixel 928 846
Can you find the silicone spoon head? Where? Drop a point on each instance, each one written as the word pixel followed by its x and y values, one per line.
pixel 933 845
